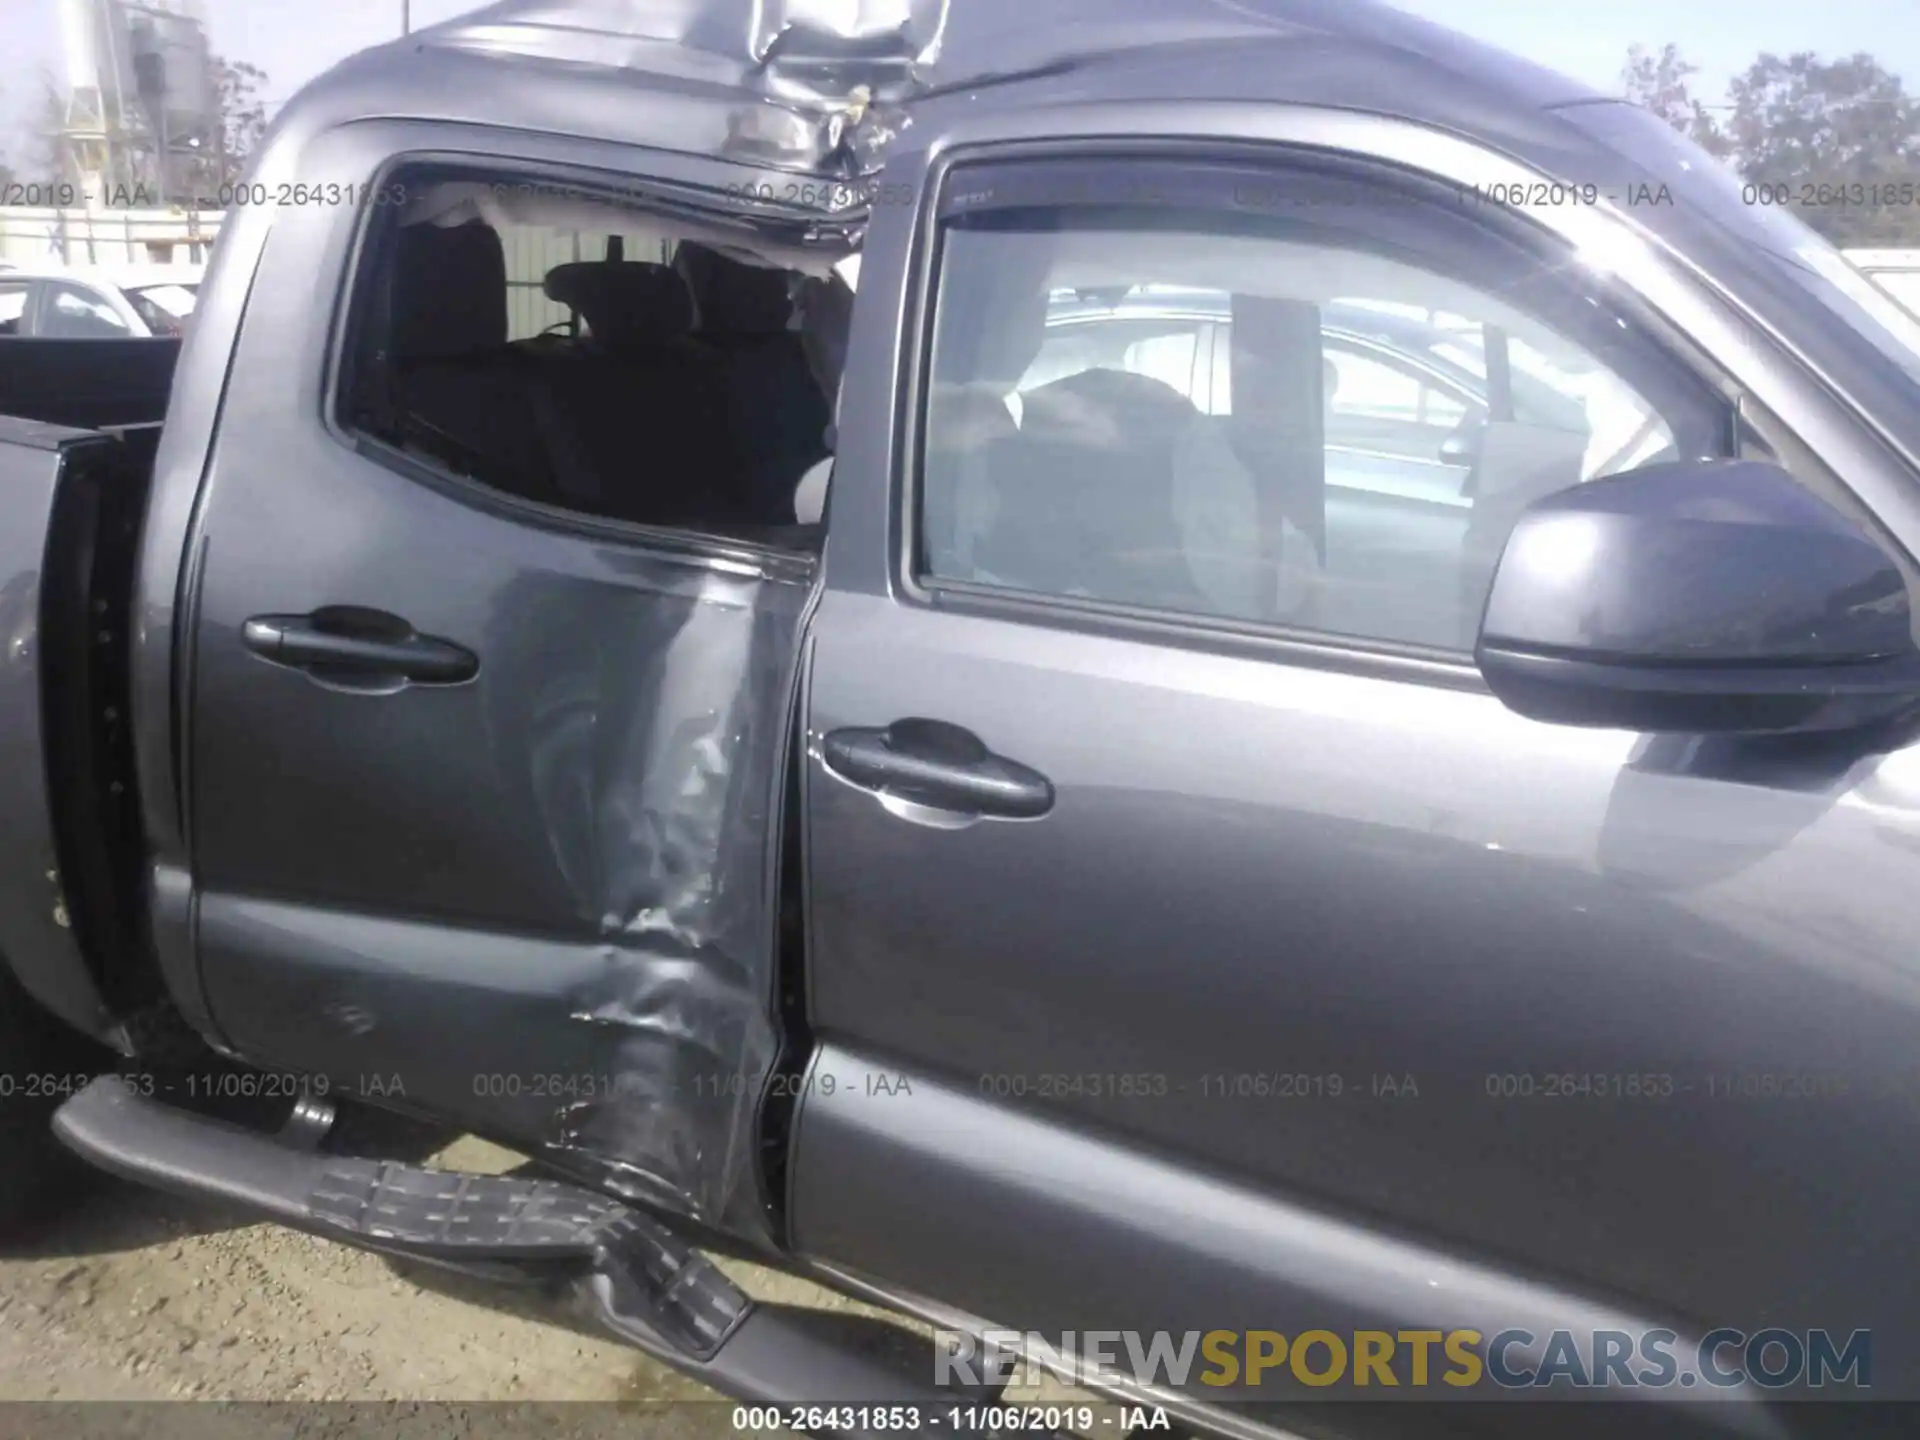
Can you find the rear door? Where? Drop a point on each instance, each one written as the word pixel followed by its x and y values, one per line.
pixel 480 789
pixel 1178 966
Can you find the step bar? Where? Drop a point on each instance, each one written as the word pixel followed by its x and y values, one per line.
pixel 631 1273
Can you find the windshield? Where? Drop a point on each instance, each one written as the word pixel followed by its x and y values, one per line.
pixel 1794 251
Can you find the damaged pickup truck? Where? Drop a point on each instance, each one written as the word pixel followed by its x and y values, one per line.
pixel 1082 665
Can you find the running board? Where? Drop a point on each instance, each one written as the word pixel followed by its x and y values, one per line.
pixel 634 1275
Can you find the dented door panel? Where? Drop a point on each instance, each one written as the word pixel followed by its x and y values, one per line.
pixel 537 903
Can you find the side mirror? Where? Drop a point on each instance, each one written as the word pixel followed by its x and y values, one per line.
pixel 1697 596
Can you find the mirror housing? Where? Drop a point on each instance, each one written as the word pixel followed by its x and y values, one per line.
pixel 1701 596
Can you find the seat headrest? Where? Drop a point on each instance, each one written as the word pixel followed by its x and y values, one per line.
pixel 449 295
pixel 1103 410
pixel 626 303
pixel 734 298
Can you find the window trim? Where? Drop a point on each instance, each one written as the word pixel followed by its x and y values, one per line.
pixel 660 197
pixel 1549 237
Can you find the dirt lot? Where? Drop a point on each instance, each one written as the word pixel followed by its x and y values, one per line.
pixel 136 1297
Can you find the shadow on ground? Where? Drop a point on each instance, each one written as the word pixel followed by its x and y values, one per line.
pixel 106 1216
pixel 93 1213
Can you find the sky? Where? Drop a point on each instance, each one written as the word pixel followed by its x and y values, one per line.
pixel 294 40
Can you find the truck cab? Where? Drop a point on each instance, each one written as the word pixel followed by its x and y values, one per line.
pixel 682 618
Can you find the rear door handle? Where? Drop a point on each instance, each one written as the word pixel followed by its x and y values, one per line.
pixel 932 763
pixel 353 643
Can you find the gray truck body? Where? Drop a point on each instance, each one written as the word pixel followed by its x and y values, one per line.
pixel 609 899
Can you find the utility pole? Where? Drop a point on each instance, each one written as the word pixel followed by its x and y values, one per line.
pixel 406 17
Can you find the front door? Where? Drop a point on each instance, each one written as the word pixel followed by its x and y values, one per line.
pixel 1189 957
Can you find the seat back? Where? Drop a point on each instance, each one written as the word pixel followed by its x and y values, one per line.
pixel 1517 465
pixel 629 306
pixel 643 399
pixel 1083 498
pixel 966 426
pixel 455 389
pixel 449 297
pixel 777 415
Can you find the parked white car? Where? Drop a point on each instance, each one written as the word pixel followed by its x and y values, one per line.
pixel 97 303
pixel 1895 271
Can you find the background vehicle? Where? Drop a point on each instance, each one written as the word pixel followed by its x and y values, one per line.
pixel 1096 878
pixel 86 304
pixel 1407 405
pixel 1895 271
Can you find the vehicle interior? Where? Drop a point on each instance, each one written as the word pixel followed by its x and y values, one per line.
pixel 1337 450
pixel 580 355
pixel 165 307
pixel 576 353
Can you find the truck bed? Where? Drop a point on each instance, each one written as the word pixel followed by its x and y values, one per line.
pixel 70 852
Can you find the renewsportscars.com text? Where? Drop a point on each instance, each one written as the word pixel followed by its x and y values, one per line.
pixel 1458 1360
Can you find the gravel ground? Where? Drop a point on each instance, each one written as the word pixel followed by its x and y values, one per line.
pixel 134 1296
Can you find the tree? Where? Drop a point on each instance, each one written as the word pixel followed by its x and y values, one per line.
pixel 1661 83
pixel 243 115
pixel 199 165
pixel 1819 134
pixel 240 122
pixel 1828 130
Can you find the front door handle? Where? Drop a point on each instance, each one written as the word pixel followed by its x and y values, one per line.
pixel 347 642
pixel 932 763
